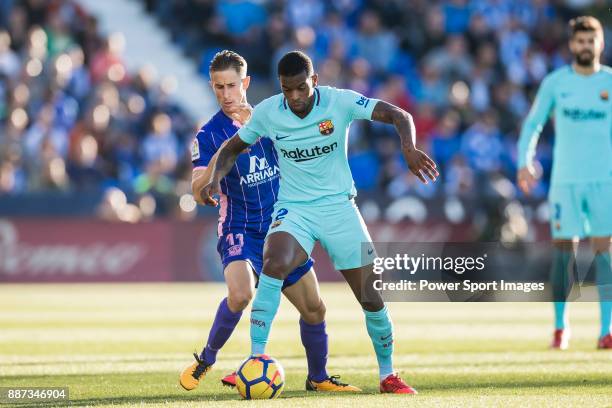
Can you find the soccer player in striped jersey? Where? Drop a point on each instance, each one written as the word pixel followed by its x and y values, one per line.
pixel 247 198
pixel 580 193
pixel 309 125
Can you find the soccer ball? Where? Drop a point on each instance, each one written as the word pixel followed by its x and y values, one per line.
pixel 260 377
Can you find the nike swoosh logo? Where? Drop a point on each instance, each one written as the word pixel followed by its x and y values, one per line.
pixel 385 338
pixel 370 251
pixel 281 137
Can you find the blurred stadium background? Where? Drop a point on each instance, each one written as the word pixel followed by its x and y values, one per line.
pixel 99 102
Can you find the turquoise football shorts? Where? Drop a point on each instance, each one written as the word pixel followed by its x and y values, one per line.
pixel 337 225
pixel 580 210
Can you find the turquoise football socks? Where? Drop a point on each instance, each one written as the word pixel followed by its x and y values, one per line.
pixel 380 329
pixel 265 306
pixel 560 278
pixel 603 277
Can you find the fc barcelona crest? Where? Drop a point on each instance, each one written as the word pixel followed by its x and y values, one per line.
pixel 326 127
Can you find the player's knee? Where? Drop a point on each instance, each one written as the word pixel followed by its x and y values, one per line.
pixel 566 245
pixel 315 313
pixel 372 300
pixel 372 305
pixel 321 311
pixel 276 266
pixel 238 300
pixel 601 244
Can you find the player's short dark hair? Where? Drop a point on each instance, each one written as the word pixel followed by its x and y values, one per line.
pixel 584 23
pixel 227 59
pixel 294 63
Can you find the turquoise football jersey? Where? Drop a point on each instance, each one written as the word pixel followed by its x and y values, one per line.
pixel 582 110
pixel 312 152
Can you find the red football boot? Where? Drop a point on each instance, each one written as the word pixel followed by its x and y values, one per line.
pixel 393 384
pixel 229 380
pixel 560 339
pixel 605 342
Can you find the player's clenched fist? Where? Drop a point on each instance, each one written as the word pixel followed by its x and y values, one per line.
pixel 208 191
pixel 241 113
pixel 420 164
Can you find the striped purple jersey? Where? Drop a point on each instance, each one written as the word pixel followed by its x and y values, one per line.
pixel 249 190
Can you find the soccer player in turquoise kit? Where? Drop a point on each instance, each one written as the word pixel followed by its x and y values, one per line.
pixel 247 202
pixel 309 127
pixel 580 193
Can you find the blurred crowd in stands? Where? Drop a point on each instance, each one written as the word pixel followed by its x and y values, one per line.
pixel 71 117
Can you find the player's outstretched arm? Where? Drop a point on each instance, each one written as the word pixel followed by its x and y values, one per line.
pixel 419 163
pixel 226 157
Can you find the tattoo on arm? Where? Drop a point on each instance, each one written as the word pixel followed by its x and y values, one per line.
pixel 227 156
pixel 404 125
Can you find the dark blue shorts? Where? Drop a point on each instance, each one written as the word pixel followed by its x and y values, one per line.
pixel 240 246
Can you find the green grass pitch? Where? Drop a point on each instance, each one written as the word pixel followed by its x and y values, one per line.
pixel 124 345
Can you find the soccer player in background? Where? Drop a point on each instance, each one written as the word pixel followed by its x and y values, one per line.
pixel 309 126
pixel 247 200
pixel 580 193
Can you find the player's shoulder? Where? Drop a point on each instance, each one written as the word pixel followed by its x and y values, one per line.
pixel 331 95
pixel 214 123
pixel 330 91
pixel 212 126
pixel 326 90
pixel 558 74
pixel 204 140
pixel 607 71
